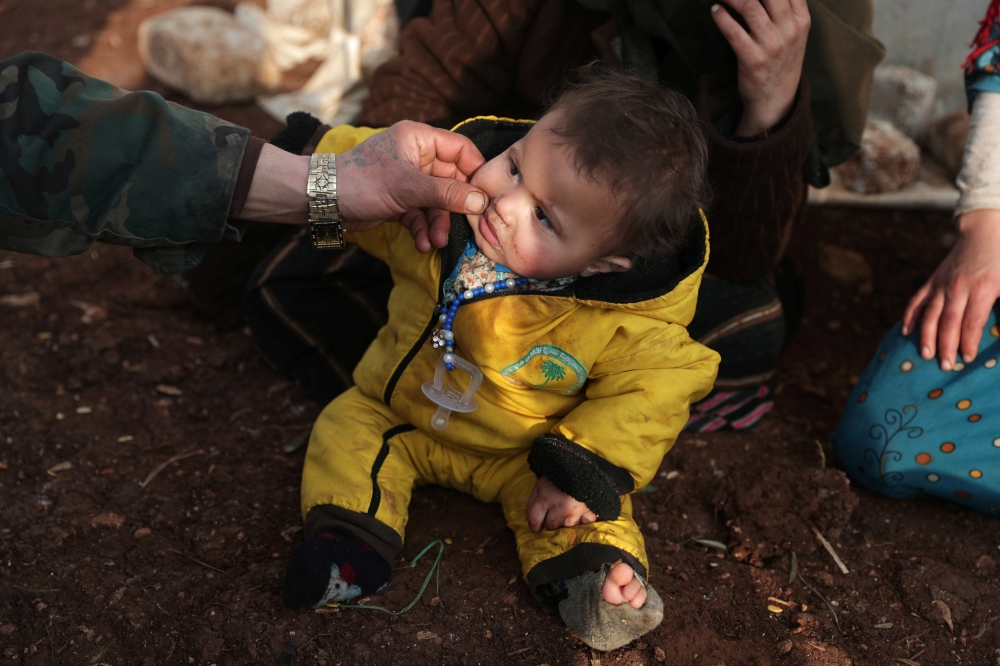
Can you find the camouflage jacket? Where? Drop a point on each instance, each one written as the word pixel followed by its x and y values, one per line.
pixel 82 161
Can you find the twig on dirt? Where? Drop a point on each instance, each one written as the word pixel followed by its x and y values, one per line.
pixel 595 657
pixel 914 656
pixel 982 630
pixel 312 639
pixel 204 564
pixel 52 647
pixel 163 466
pixel 915 636
pixel 823 599
pixel 511 654
pixel 701 618
pixel 829 548
pixel 786 604
pixel 479 549
pixel 793 570
pixel 822 454
pixel 162 609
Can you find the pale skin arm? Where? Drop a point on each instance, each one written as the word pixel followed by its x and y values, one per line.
pixel 551 508
pixel 770 57
pixel 953 306
pixel 408 166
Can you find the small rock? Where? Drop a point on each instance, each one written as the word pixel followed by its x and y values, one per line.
pixel 40 606
pixel 659 654
pixel 167 389
pixel 945 139
pixel 902 96
pixel 785 646
pixel 844 265
pixel 194 340
pixel 887 161
pixel 984 563
pixel 31 299
pixel 205 53
pixel 6 629
pixel 142 533
pixel 93 313
pixel 108 520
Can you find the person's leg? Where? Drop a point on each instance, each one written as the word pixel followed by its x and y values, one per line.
pixel 911 429
pixel 313 313
pixel 745 323
pixel 356 485
pixel 575 570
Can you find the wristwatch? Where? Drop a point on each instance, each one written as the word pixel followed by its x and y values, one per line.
pixel 325 225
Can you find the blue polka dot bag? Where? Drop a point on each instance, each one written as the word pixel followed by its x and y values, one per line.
pixel 911 429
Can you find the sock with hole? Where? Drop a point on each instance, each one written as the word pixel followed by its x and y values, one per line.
pixel 333 566
pixel 601 625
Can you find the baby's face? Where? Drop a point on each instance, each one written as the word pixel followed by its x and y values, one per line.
pixel 544 220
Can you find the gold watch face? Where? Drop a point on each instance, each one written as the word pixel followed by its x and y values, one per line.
pixel 327 236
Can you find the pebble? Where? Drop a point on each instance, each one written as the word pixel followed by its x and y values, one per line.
pixel 142 533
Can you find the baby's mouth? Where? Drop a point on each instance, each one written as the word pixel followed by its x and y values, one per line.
pixel 488 231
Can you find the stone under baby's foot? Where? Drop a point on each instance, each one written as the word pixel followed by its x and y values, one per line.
pixel 603 625
pixel 623 586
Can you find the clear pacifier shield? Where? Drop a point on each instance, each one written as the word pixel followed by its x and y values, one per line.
pixel 448 399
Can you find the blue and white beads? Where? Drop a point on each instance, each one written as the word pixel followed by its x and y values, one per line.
pixel 443 336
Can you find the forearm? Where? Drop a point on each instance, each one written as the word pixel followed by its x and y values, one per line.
pixel 979 181
pixel 82 161
pixel 758 191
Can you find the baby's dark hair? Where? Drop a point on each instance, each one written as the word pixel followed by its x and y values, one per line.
pixel 643 141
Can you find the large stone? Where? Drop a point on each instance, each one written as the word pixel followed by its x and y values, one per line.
pixel 945 139
pixel 205 53
pixel 887 161
pixel 903 97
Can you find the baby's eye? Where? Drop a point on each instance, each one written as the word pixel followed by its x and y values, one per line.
pixel 513 170
pixel 542 217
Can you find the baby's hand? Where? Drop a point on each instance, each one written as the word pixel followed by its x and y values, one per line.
pixel 551 508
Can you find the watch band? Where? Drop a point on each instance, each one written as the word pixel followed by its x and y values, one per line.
pixel 326 229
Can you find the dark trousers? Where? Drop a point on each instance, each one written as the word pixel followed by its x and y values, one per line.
pixel 313 314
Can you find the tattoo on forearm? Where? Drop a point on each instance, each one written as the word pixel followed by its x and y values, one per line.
pixel 376 151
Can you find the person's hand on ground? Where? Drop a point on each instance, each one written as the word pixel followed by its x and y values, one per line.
pixel 410 169
pixel 623 585
pixel 414 169
pixel 551 508
pixel 770 57
pixel 953 306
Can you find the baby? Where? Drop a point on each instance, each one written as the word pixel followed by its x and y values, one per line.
pixel 558 318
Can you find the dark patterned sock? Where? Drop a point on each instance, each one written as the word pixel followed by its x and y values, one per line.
pixel 331 566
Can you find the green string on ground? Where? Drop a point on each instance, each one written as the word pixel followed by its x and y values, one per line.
pixel 427 579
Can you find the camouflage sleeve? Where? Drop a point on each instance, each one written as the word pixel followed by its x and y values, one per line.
pixel 83 161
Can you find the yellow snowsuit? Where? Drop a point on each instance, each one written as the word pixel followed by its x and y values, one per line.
pixel 588 386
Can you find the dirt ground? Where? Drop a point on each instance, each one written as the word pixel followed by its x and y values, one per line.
pixel 148 505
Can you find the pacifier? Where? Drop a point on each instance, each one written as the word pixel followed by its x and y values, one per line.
pixel 445 397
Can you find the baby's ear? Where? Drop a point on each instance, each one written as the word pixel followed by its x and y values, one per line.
pixel 607 265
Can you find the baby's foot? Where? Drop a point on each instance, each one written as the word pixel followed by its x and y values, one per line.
pixel 333 566
pixel 598 622
pixel 622 585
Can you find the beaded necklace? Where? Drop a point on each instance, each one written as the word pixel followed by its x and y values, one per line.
pixel 474 275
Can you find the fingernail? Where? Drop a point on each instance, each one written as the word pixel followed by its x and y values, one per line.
pixel 715 8
pixel 475 202
pixel 968 358
pixel 906 331
pixel 946 365
pixel 926 353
